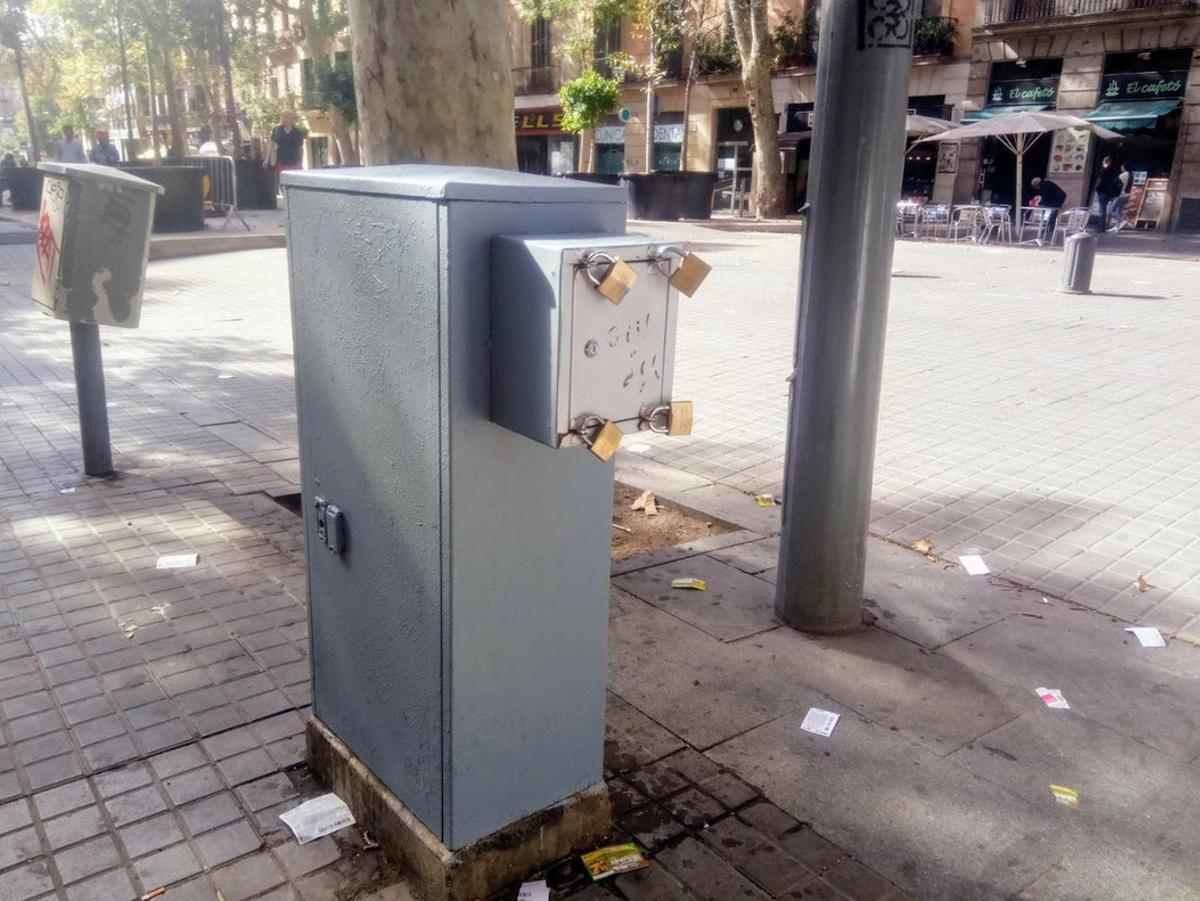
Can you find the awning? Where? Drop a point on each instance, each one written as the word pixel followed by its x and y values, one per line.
pixel 1128 114
pixel 989 111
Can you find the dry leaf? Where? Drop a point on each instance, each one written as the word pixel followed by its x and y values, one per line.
pixel 1142 584
pixel 623 528
pixel 646 501
pixel 923 545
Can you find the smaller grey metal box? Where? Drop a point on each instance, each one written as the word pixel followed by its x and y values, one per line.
pixel 93 243
pixel 561 352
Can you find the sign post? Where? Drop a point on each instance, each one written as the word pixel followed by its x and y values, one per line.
pixel 93 243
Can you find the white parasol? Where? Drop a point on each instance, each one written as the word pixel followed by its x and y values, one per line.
pixel 1018 131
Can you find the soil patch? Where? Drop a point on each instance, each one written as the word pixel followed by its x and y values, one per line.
pixel 673 525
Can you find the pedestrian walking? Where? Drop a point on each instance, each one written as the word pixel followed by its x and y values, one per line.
pixel 1117 211
pixel 1108 186
pixel 103 152
pixel 287 145
pixel 68 148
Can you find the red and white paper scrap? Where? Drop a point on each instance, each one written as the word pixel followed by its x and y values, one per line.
pixel 317 817
pixel 1053 697
pixel 820 722
pixel 1149 636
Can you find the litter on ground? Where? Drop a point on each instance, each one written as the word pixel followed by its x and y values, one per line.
pixel 534 891
pixel 820 722
pixel 1052 697
pixel 605 862
pixel 974 565
pixel 1068 797
pixel 1149 636
pixel 317 817
pixel 688 582
pixel 177 561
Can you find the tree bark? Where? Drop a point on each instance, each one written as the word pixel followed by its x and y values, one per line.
pixel 231 122
pixel 153 99
pixel 174 117
pixel 30 125
pixel 434 82
pixel 687 106
pixel 340 130
pixel 752 31
pixel 130 144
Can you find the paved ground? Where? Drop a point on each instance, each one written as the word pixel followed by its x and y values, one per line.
pixel 149 720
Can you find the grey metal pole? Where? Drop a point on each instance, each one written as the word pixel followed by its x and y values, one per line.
pixel 89 390
pixel 857 159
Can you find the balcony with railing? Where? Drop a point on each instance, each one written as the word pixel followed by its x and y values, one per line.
pixel 935 36
pixel 1003 12
pixel 536 80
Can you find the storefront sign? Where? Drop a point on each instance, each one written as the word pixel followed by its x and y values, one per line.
pixel 610 134
pixel 1023 91
pixel 1070 150
pixel 1143 85
pixel 669 134
pixel 1152 204
pixel 539 122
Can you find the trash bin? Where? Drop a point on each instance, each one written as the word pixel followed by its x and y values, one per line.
pixel 26 187
pixel 93 240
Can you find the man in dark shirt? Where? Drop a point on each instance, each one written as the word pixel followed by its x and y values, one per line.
pixel 1052 196
pixel 1108 186
pixel 287 145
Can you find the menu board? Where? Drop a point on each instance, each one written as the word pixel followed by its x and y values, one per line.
pixel 1151 205
pixel 1069 152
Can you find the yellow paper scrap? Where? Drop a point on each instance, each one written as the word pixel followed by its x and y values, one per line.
pixel 614 859
pixel 1068 797
pixel 765 500
pixel 685 582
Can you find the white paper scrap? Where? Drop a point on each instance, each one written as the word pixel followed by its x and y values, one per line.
pixel 178 561
pixel 317 817
pixel 225 375
pixel 636 448
pixel 1053 697
pixel 974 565
pixel 820 722
pixel 1149 636
pixel 534 891
pixel 68 490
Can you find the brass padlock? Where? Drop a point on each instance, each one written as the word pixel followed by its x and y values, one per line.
pixel 617 282
pixel 606 440
pixel 690 275
pixel 679 418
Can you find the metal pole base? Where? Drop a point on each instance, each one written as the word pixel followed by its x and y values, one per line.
pixel 93 406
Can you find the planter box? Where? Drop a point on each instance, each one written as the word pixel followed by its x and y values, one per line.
pixel 26 187
pixel 668 196
pixel 256 186
pixel 181 207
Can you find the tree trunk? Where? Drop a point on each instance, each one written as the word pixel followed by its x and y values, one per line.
pixel 231 124
pixel 174 119
pixel 434 82
pixel 687 106
pixel 589 163
pixel 342 138
pixel 153 99
pixel 130 146
pixel 30 125
pixel 751 29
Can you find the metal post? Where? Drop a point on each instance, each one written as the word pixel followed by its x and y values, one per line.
pixel 857 159
pixel 89 390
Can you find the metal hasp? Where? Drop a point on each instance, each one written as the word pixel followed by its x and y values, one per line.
pixel 458 638
pixel 857 154
pixel 1079 255
pixel 93 243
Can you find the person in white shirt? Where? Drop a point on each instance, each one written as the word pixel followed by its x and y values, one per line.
pixel 1116 210
pixel 68 148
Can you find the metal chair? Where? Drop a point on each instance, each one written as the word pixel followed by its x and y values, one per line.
pixel 933 218
pixel 1069 222
pixel 1036 220
pixel 997 222
pixel 907 213
pixel 969 218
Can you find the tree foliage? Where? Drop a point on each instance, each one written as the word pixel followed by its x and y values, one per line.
pixel 586 100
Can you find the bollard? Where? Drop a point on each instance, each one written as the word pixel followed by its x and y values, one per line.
pixel 93 406
pixel 1079 253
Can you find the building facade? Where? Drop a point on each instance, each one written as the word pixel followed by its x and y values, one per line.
pixel 1124 64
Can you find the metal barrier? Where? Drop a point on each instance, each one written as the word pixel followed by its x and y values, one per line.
pixel 222 185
